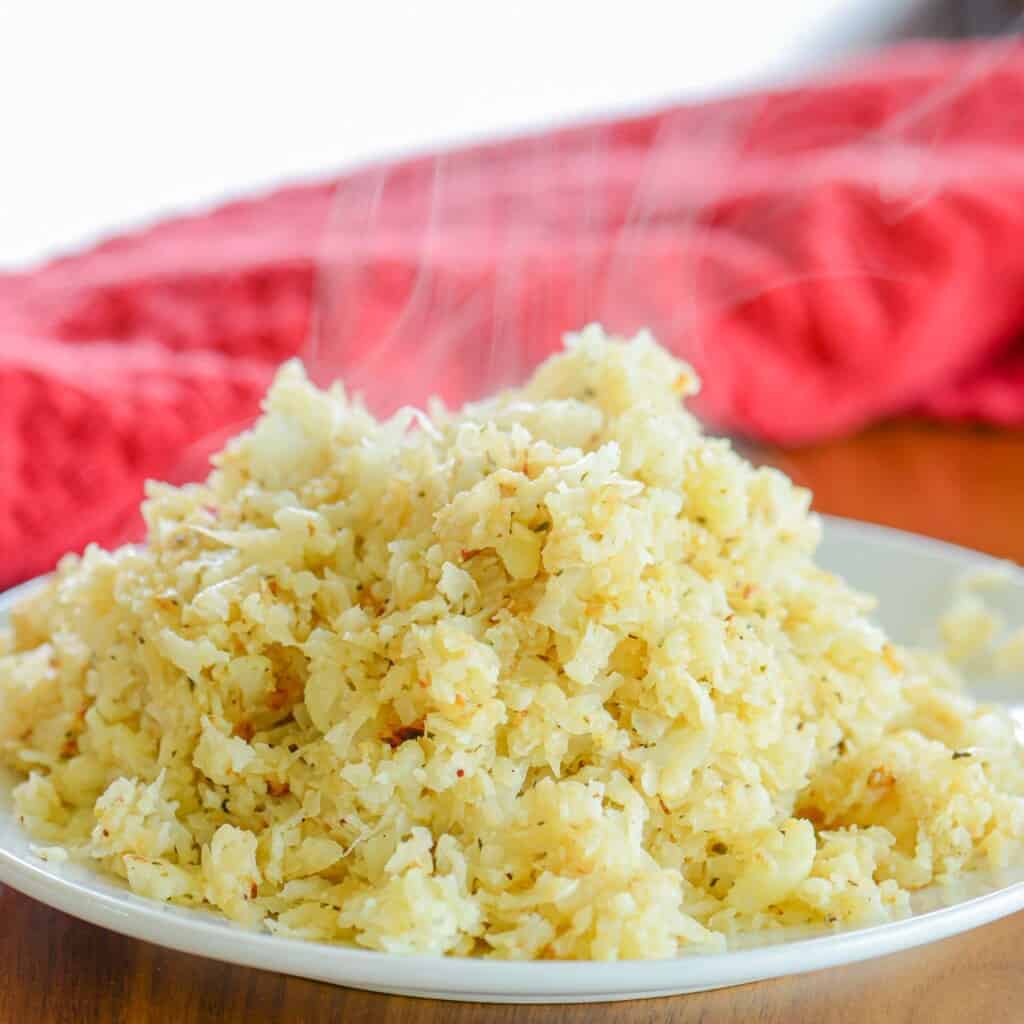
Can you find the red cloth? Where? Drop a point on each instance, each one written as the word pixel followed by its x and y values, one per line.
pixel 827 255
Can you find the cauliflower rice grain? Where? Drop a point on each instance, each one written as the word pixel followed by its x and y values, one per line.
pixel 555 676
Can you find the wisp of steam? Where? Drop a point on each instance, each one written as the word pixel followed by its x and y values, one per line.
pixel 455 275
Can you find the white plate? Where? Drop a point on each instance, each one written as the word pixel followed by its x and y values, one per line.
pixel 911 575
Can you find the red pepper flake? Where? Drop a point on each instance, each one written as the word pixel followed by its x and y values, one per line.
pixel 275 788
pixel 70 747
pixel 468 553
pixel 253 891
pixel 277 698
pixel 244 730
pixel 401 733
pixel 460 773
pixel 425 683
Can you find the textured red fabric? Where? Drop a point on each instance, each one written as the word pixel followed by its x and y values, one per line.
pixel 826 255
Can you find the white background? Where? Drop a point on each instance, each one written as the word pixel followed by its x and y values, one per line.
pixel 113 114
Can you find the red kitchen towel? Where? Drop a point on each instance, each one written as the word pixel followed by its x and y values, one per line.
pixel 826 255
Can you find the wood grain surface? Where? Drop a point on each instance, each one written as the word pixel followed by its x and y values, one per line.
pixel 961 485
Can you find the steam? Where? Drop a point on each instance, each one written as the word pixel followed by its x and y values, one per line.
pixel 455 275
pixel 405 308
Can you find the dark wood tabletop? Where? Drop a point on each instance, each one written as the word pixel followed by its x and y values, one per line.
pixel 959 484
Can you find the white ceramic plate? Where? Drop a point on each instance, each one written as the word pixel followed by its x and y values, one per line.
pixel 911 575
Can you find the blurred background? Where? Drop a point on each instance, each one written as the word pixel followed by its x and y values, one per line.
pixel 819 203
pixel 118 114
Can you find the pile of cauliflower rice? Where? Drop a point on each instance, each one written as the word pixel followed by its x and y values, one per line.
pixel 554 676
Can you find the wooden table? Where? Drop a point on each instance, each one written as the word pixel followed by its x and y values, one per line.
pixel 958 484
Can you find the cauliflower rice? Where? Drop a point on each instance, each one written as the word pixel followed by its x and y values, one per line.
pixel 554 676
